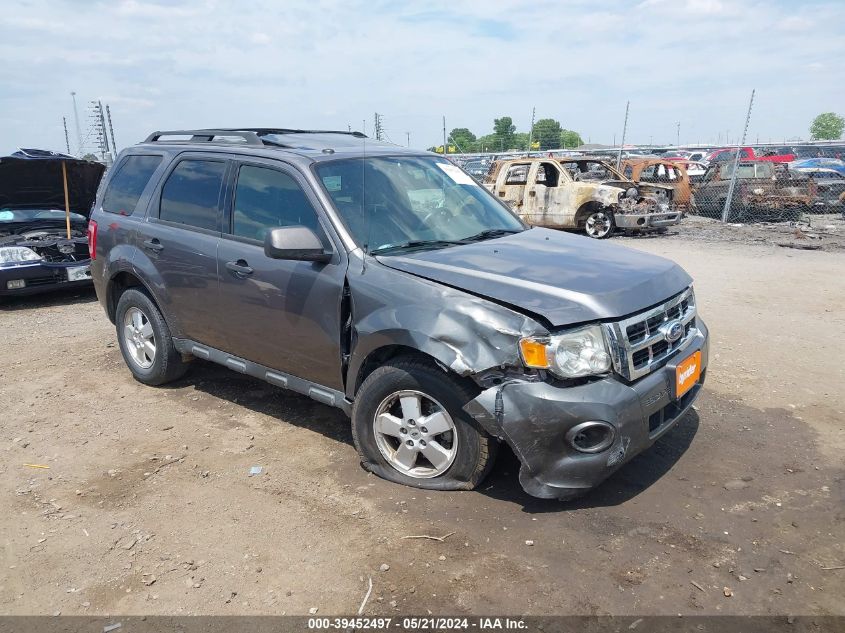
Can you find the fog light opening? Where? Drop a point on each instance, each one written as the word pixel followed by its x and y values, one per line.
pixel 591 437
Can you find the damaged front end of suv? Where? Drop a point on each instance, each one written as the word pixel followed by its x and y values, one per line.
pixel 45 201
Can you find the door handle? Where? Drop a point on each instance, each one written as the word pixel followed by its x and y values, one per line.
pixel 532 194
pixel 153 245
pixel 501 194
pixel 239 268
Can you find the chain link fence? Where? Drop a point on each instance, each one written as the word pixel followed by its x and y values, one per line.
pixel 779 190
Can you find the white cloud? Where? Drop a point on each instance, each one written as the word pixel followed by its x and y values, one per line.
pixel 332 64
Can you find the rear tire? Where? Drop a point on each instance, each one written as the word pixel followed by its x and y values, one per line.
pixel 389 427
pixel 145 340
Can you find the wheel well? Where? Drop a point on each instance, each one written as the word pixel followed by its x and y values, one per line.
pixel 117 285
pixel 586 209
pixel 382 355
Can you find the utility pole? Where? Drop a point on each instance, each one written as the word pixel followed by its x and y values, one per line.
pixel 67 140
pixel 531 130
pixel 379 131
pixel 111 131
pixel 678 141
pixel 445 147
pixel 407 139
pixel 727 210
pixel 76 120
pixel 624 131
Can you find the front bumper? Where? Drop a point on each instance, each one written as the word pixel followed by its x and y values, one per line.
pixel 40 277
pixel 534 418
pixel 647 220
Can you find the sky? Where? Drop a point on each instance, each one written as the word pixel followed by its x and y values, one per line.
pixel 331 65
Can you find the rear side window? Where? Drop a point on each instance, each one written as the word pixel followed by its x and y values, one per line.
pixel 127 185
pixel 266 199
pixel 191 194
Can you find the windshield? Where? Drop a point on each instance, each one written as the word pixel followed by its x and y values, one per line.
pixel 37 215
pixel 391 201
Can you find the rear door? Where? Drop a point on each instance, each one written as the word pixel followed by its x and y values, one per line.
pixel 180 239
pixel 283 314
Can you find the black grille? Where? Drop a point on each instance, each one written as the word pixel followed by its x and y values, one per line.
pixel 644 331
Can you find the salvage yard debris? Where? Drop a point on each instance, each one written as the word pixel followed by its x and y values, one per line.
pixel 433 538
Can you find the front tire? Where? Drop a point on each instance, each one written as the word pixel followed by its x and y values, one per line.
pixel 409 427
pixel 599 224
pixel 145 340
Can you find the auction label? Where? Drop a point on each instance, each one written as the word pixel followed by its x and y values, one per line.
pixel 426 623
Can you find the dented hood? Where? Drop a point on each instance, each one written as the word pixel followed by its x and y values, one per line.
pixel 563 278
pixel 30 181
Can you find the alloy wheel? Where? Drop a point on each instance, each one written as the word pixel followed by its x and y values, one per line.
pixel 415 434
pixel 598 224
pixel 138 338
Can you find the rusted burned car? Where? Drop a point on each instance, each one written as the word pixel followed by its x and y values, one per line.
pixel 764 191
pixel 672 173
pixel 579 193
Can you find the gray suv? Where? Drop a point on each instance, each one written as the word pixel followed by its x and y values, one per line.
pixel 388 283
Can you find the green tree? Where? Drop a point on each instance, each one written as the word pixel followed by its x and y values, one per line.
pixel 547 132
pixel 504 129
pixel 570 139
pixel 488 143
pixel 463 138
pixel 827 126
pixel 520 141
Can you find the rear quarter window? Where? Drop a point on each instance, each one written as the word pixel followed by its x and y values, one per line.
pixel 126 186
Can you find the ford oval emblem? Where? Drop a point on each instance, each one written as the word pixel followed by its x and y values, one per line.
pixel 672 331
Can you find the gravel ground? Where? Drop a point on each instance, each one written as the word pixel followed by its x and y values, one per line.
pixel 147 506
pixel 813 232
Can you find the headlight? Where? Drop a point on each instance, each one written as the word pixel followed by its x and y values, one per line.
pixel 574 354
pixel 17 254
pixel 632 193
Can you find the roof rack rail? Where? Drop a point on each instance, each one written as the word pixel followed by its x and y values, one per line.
pixel 207 136
pixel 275 130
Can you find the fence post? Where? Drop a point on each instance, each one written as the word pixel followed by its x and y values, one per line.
pixel 624 131
pixel 727 210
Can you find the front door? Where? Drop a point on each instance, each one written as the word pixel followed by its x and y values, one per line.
pixel 282 314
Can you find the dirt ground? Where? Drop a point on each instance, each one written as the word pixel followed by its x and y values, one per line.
pixel 147 506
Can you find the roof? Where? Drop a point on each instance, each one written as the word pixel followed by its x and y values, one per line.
pixel 314 144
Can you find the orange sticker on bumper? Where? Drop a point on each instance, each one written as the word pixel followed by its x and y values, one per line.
pixel 687 374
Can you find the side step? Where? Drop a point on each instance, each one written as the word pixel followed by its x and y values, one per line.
pixel 314 391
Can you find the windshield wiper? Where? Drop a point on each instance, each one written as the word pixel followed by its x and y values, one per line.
pixel 489 234
pixel 414 244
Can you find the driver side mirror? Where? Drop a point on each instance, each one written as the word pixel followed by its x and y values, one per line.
pixel 298 243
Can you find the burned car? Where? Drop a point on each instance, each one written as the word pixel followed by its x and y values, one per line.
pixel 43 243
pixel 764 191
pixel 664 171
pixel 578 193
pixel 390 284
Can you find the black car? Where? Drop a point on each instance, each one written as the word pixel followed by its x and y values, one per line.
pixel 42 246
